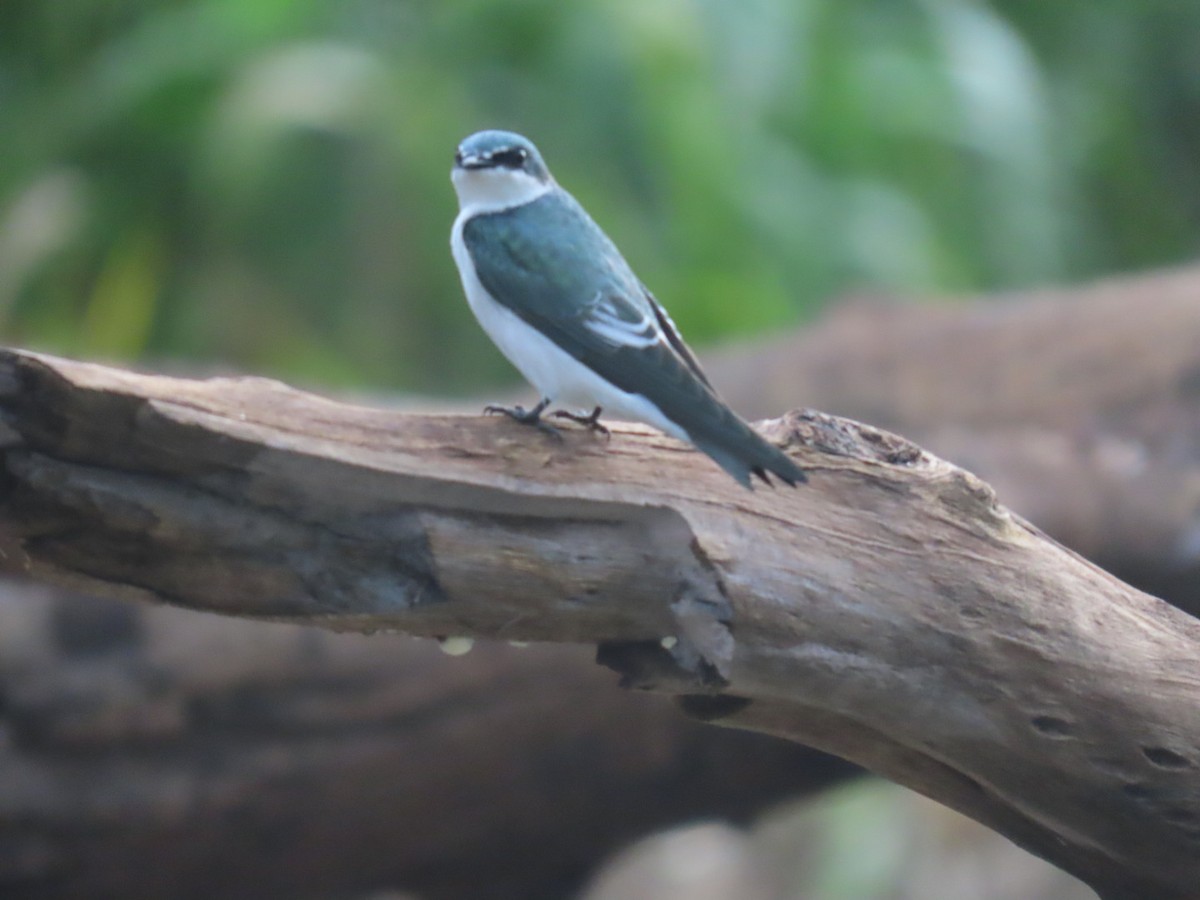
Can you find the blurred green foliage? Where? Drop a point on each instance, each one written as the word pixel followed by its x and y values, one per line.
pixel 264 183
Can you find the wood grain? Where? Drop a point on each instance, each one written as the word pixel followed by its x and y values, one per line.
pixel 892 612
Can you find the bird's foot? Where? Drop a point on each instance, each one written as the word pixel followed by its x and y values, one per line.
pixel 592 421
pixel 527 417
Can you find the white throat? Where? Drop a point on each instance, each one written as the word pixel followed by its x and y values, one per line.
pixel 491 190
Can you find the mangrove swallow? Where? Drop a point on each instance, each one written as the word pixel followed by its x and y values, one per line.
pixel 558 299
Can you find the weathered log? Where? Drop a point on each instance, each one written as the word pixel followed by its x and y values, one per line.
pixel 891 612
pixel 1081 406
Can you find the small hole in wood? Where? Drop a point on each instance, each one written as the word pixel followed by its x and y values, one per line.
pixel 1052 726
pixel 1165 759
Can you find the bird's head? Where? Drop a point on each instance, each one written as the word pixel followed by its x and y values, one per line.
pixel 498 169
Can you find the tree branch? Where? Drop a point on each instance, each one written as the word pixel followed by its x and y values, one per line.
pixel 892 612
pixel 1080 405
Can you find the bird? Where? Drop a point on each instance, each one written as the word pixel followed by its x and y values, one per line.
pixel 559 300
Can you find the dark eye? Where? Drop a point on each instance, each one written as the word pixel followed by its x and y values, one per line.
pixel 512 158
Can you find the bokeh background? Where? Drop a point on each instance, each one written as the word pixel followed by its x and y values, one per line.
pixel 262 184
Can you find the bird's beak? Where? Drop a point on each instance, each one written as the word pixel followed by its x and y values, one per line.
pixel 471 160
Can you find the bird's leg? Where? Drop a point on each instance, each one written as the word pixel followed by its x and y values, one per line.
pixel 592 421
pixel 528 416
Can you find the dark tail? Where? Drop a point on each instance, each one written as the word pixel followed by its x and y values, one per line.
pixel 741 451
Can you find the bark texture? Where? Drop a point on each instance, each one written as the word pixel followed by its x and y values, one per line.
pixel 892 612
pixel 1081 406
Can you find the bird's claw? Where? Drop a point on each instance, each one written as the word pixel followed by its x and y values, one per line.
pixel 526 417
pixel 592 421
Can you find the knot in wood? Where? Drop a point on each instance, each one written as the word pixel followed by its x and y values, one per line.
pixel 845 437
